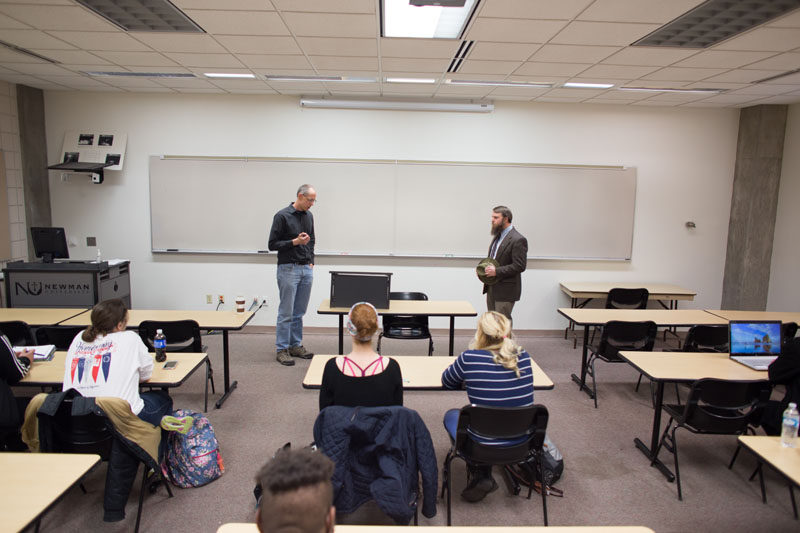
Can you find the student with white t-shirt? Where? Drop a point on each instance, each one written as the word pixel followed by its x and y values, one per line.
pixel 107 360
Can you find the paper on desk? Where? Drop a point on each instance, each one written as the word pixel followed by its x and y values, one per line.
pixel 40 353
pixel 115 262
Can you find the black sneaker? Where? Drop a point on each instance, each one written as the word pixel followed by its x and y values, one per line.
pixel 478 488
pixel 300 351
pixel 284 358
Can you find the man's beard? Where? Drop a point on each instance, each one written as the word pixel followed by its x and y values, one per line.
pixel 496 230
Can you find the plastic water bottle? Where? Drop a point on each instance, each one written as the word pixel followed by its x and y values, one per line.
pixel 99 257
pixel 160 344
pixel 791 419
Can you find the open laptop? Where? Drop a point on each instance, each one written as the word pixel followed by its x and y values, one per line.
pixel 755 344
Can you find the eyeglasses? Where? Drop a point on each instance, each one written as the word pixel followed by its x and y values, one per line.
pixel 311 200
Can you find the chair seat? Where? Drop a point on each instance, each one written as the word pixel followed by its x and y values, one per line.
pixel 710 420
pixel 407 333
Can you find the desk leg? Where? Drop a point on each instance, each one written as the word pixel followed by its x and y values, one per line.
pixel 452 333
pixel 650 452
pixel 341 334
pixel 226 369
pixel 584 357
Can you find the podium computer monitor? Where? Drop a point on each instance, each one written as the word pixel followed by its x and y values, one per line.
pixel 49 243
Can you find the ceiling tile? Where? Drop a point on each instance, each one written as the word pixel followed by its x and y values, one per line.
pixel 179 42
pixel 602 33
pixel 330 46
pixel 420 48
pixel 398 90
pixel 126 83
pixel 790 20
pixel 550 69
pixel 420 65
pixel 763 39
pixel 257 44
pixel 331 25
pixel 632 96
pixel 788 61
pixel 488 67
pixel 40 69
pixel 205 60
pixel 239 22
pixel 791 78
pixel 517 91
pixel 139 59
pixel 637 10
pixel 533 9
pixel 352 87
pixel 355 73
pixel 326 6
pixel 116 41
pixel 652 103
pixel 215 90
pixel 255 85
pixel 722 59
pixel 567 53
pixel 780 100
pixel 34 39
pixel 47 17
pixel 639 55
pixel 683 74
pixel 513 30
pixel 80 82
pixel 272 62
pixel 9 23
pixel 766 89
pixel 196 83
pixel 283 86
pixel 332 62
pixel 157 68
pixel 617 71
pixel 502 51
pixel 464 91
pixel 676 97
pixel 575 93
pixel 72 57
pixel 233 5
pixel 731 98
pixel 743 76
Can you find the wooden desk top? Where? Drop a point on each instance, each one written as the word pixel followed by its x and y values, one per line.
pixel 687 367
pixel 23 497
pixel 51 373
pixel 599 289
pixel 411 307
pixel 783 316
pixel 40 317
pixel 419 372
pixel 785 460
pixel 206 319
pixel 251 528
pixel 662 317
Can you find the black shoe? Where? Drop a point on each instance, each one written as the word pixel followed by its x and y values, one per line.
pixel 478 488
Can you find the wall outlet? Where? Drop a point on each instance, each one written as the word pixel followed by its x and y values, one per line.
pixel 221 299
pixel 209 299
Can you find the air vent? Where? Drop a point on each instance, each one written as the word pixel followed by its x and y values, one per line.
pixel 143 15
pixel 16 48
pixel 460 56
pixel 142 74
pixel 716 20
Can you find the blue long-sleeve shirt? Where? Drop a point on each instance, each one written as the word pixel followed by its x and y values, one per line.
pixel 488 383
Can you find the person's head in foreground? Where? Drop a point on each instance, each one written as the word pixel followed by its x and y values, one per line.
pixel 362 322
pixel 297 493
pixel 494 335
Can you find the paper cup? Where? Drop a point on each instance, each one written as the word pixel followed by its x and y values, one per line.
pixel 240 304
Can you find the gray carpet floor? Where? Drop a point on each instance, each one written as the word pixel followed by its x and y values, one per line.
pixel 606 481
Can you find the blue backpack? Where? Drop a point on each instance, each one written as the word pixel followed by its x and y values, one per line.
pixel 193 459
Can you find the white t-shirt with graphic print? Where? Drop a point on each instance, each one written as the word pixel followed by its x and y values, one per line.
pixel 112 365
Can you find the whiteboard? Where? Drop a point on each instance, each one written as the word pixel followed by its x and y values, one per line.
pixel 392 208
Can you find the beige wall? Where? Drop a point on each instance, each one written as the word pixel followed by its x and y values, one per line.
pixel 9 144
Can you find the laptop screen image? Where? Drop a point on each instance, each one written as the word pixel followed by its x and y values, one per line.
pixel 755 338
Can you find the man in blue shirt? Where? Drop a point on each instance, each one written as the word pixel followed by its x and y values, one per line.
pixel 292 236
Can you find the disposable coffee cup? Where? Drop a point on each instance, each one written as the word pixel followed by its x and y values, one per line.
pixel 240 304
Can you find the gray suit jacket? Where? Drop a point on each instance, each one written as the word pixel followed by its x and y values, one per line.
pixel 513 258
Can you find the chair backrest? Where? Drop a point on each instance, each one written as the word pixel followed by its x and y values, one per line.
pixel 500 423
pixel 706 339
pixel 619 298
pixel 182 335
pixel 18 333
pixel 619 335
pixel 720 406
pixel 80 433
pixel 404 321
pixel 788 331
pixel 62 337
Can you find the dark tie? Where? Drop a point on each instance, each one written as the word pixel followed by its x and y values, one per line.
pixel 493 251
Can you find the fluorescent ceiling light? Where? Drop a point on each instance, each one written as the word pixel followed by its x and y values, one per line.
pixel 576 85
pixel 500 83
pixel 410 80
pixel 227 75
pixel 123 74
pixel 669 90
pixel 327 79
pixel 393 105
pixel 401 19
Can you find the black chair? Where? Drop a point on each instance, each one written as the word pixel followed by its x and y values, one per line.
pixel 788 331
pixel 18 332
pixel 619 298
pixel 406 327
pixel 620 336
pixel 182 336
pixel 61 336
pixel 91 433
pixel 714 407
pixel 507 423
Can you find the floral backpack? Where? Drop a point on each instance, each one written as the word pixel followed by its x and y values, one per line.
pixel 192 459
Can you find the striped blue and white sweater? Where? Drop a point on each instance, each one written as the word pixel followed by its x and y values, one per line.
pixel 488 383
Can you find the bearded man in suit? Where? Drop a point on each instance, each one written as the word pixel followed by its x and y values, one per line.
pixel 510 249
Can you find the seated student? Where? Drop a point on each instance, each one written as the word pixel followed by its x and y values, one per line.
pixel 785 370
pixel 13 367
pixel 497 373
pixel 297 494
pixel 107 360
pixel 362 377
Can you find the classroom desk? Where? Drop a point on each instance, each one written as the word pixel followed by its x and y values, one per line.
pixel 225 321
pixel 662 317
pixel 23 497
pixel 251 528
pixel 419 372
pixel 408 307
pixel 685 367
pixel 40 316
pixel 783 316
pixel 785 461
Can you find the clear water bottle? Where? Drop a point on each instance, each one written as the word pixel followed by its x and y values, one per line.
pixel 791 419
pixel 160 344
pixel 99 256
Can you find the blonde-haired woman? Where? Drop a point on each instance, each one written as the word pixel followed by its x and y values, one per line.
pixel 363 377
pixel 497 373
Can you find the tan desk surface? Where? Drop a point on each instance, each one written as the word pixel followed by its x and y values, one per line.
pixel 419 372
pixel 662 317
pixel 205 318
pixel 51 373
pixel 40 317
pixel 783 316
pixel 599 289
pixel 251 528
pixel 684 366
pixel 23 497
pixel 784 460
pixel 411 307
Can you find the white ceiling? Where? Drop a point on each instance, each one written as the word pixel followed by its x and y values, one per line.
pixel 546 41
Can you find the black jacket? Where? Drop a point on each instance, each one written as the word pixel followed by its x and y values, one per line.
pixel 785 370
pixel 379 453
pixel 12 369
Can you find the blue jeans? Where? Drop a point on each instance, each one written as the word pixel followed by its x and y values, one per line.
pixel 157 403
pixel 294 287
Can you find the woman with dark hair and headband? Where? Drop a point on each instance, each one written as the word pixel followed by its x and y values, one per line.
pixel 363 377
